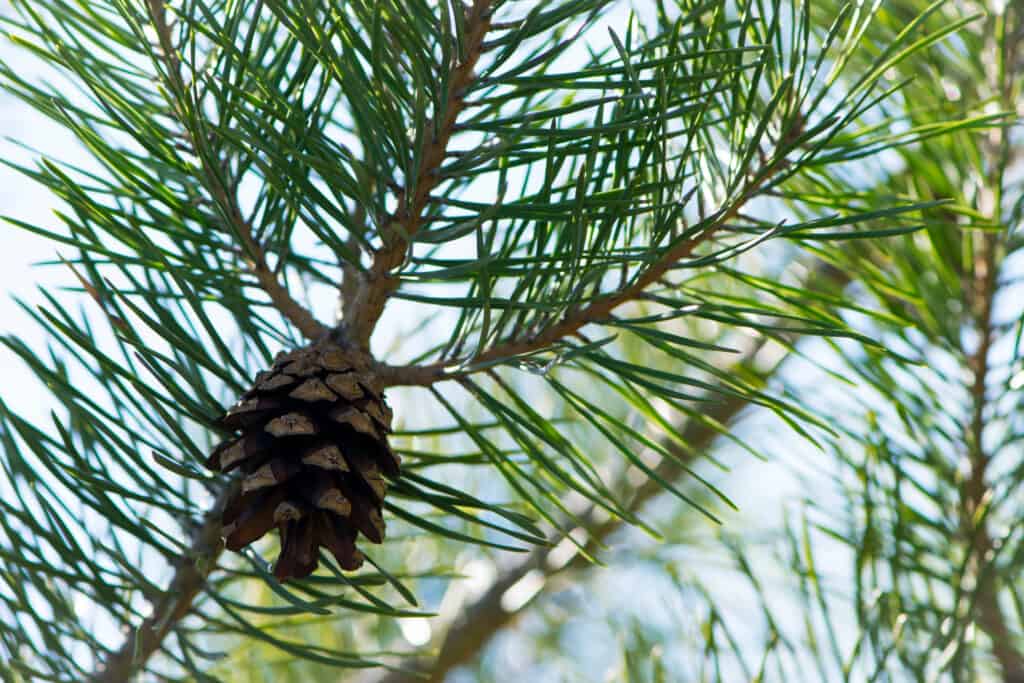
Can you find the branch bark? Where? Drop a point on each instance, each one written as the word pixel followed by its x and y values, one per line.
pixel 378 284
pixel 297 314
pixel 976 490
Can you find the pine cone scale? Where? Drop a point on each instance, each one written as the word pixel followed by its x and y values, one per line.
pixel 277 471
pixel 326 457
pixel 313 390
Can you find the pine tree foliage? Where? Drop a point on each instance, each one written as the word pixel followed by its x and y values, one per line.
pixel 558 221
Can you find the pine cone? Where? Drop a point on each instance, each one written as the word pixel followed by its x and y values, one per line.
pixel 314 452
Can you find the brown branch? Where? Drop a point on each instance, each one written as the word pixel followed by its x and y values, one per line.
pixel 170 606
pixel 268 281
pixel 350 269
pixel 597 310
pixel 981 292
pixel 378 284
pixel 975 492
pixel 297 314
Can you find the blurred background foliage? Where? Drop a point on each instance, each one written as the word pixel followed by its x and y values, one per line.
pixel 795 457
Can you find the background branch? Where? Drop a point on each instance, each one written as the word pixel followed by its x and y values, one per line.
pixel 485 618
pixel 981 290
pixel 172 605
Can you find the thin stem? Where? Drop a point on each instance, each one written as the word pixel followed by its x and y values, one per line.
pixel 350 269
pixel 268 281
pixel 297 314
pixel 975 491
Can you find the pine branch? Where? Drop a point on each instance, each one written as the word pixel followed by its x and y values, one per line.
pixel 486 617
pixel 366 303
pixel 268 280
pixel 594 312
pixel 349 268
pixel 175 603
pixel 990 614
pixel 297 314
pixel 378 284
pixel 364 296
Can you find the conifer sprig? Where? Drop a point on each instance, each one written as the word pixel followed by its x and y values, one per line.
pixel 544 193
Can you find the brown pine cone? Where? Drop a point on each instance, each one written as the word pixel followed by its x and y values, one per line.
pixel 314 452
